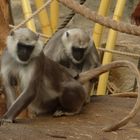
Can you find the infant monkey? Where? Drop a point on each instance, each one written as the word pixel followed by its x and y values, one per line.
pixel 45 85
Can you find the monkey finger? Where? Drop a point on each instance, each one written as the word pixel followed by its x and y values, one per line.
pixel 3 121
pixel 58 113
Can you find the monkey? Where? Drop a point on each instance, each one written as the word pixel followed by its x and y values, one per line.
pixel 45 85
pixel 41 89
pixel 74 49
pixel 135 16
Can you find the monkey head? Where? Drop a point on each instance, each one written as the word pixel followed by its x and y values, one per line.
pixel 76 44
pixel 23 45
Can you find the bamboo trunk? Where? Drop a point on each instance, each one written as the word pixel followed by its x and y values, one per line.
pixel 4 30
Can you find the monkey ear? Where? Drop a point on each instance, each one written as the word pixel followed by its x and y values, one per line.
pixel 67 34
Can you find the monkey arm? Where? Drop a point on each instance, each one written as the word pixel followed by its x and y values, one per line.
pixel 92 61
pixel 10 90
pixel 8 76
pixel 20 103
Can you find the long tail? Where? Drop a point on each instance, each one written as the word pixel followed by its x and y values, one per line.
pixel 90 74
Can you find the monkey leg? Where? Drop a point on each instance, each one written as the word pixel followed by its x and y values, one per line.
pixel 72 99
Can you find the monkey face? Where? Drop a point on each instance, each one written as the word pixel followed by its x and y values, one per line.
pixel 78 53
pixel 23 45
pixel 24 51
pixel 76 44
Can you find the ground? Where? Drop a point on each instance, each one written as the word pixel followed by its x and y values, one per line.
pixel 102 111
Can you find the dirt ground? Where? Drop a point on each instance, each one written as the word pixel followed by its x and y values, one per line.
pixel 102 111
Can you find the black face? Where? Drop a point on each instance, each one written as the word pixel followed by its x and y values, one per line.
pixel 24 51
pixel 78 53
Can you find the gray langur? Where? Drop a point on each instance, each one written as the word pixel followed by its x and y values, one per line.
pixel 44 84
pixel 74 49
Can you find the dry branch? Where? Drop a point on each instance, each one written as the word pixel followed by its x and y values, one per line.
pixel 88 75
pixel 126 94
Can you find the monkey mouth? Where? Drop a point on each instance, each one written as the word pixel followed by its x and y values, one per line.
pixel 78 53
pixel 24 51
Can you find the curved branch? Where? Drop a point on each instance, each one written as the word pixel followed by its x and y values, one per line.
pixel 88 75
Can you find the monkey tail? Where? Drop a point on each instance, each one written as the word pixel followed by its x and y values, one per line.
pixel 90 74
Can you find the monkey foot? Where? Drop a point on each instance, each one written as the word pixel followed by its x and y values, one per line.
pixel 3 120
pixel 87 100
pixel 59 113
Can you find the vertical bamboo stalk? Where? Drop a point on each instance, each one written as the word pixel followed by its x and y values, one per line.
pixel 44 19
pixel 27 13
pixel 101 90
pixel 54 14
pixel 98 29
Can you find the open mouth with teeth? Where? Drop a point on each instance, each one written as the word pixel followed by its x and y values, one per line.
pixel 78 53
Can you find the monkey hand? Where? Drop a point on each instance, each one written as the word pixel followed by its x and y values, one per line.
pixel 135 16
pixel 59 113
pixel 4 120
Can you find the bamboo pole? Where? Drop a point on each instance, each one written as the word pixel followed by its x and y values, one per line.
pixel 27 13
pixel 101 90
pixel 54 14
pixel 44 19
pixel 98 29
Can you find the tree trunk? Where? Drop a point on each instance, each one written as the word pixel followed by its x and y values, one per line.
pixel 4 23
pixel 4 30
